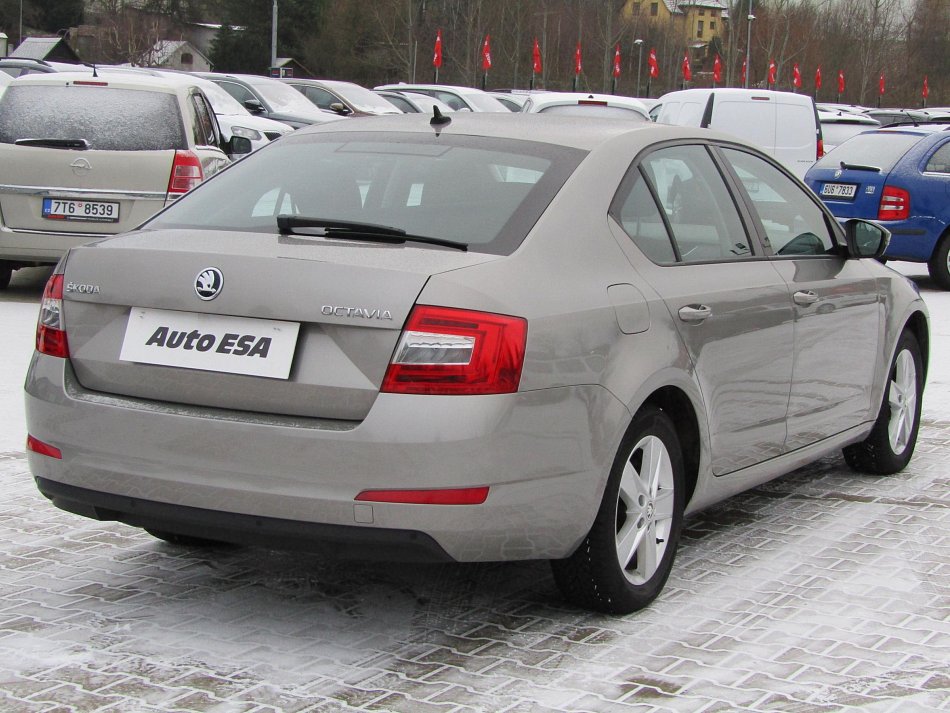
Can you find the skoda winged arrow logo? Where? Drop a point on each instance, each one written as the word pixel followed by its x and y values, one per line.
pixel 209 282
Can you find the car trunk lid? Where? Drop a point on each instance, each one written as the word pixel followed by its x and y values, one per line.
pixel 334 313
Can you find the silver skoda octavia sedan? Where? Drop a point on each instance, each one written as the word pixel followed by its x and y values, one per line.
pixel 489 337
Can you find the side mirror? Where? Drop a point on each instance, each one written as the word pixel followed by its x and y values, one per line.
pixel 254 106
pixel 238 146
pixel 340 108
pixel 866 239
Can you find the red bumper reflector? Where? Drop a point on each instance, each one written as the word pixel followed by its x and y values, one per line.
pixel 446 496
pixel 44 449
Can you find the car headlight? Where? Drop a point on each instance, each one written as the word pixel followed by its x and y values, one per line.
pixel 246 133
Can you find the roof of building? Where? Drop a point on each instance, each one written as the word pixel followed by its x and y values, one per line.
pixel 680 6
pixel 164 50
pixel 43 47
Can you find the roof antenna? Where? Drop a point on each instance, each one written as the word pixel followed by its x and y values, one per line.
pixel 94 73
pixel 438 118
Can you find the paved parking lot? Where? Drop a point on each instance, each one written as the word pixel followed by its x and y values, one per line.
pixel 821 591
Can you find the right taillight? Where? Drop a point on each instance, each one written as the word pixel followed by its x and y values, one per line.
pixel 50 327
pixel 821 148
pixel 186 174
pixel 895 204
pixel 450 351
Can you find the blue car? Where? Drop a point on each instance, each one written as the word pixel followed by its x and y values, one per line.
pixel 899 177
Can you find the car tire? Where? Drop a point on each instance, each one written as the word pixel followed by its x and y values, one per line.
pixel 890 445
pixel 939 264
pixel 616 569
pixel 6 272
pixel 173 538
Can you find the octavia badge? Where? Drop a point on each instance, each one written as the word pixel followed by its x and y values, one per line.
pixel 208 283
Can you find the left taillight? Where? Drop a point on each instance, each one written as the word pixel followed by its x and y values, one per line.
pixel 448 351
pixel 50 327
pixel 894 205
pixel 821 149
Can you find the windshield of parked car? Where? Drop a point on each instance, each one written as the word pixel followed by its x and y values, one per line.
pixel 881 149
pixel 221 101
pixel 360 97
pixel 108 118
pixel 485 102
pixel 485 193
pixel 284 98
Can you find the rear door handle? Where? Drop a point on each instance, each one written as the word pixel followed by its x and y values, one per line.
pixel 805 298
pixel 695 313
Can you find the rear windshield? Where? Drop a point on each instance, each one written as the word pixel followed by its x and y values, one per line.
pixel 882 150
pixel 109 119
pixel 486 193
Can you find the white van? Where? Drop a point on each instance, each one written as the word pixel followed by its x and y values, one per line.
pixel 783 124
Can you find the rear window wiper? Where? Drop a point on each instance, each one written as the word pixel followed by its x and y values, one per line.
pixel 80 144
pixel 352 230
pixel 859 167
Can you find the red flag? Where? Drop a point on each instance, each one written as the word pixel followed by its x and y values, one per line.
pixel 437 55
pixel 818 77
pixel 926 90
pixel 743 71
pixel 577 60
pixel 717 69
pixel 796 76
pixel 654 65
pixel 773 71
pixel 616 61
pixel 840 81
pixel 536 57
pixel 880 84
pixel 687 72
pixel 486 55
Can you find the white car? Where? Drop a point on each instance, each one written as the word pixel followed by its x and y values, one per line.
pixel 412 103
pixel 839 126
pixel 459 98
pixel 580 104
pixel 235 120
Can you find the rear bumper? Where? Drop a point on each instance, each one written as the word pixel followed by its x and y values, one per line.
pixel 33 246
pixel 545 456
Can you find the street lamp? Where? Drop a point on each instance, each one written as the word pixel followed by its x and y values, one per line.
pixel 748 47
pixel 639 44
pixel 273 37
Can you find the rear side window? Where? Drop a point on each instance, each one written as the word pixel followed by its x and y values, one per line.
pixel 940 161
pixel 882 150
pixel 486 193
pixel 110 119
pixel 699 208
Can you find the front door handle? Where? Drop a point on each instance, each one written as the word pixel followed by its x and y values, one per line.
pixel 695 313
pixel 805 298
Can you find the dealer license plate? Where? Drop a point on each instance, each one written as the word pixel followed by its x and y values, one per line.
pixel 839 190
pixel 233 345
pixel 90 211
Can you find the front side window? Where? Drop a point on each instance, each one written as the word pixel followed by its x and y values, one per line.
pixel 702 216
pixel 238 91
pixel 485 193
pixel 321 97
pixel 794 223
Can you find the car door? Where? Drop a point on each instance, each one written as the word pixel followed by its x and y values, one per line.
pixel 838 310
pixel 730 307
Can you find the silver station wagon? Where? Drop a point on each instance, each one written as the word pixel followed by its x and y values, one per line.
pixel 473 338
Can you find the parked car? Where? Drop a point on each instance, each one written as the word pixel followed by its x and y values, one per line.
pixel 17 66
pixel 512 100
pixel 412 103
pixel 783 124
pixel 459 98
pixel 473 338
pixel 344 98
pixel 839 126
pixel 901 178
pixel 887 117
pixel 271 98
pixel 586 105
pixel 84 155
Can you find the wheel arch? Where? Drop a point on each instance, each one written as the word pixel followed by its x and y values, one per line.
pixel 918 326
pixel 677 405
